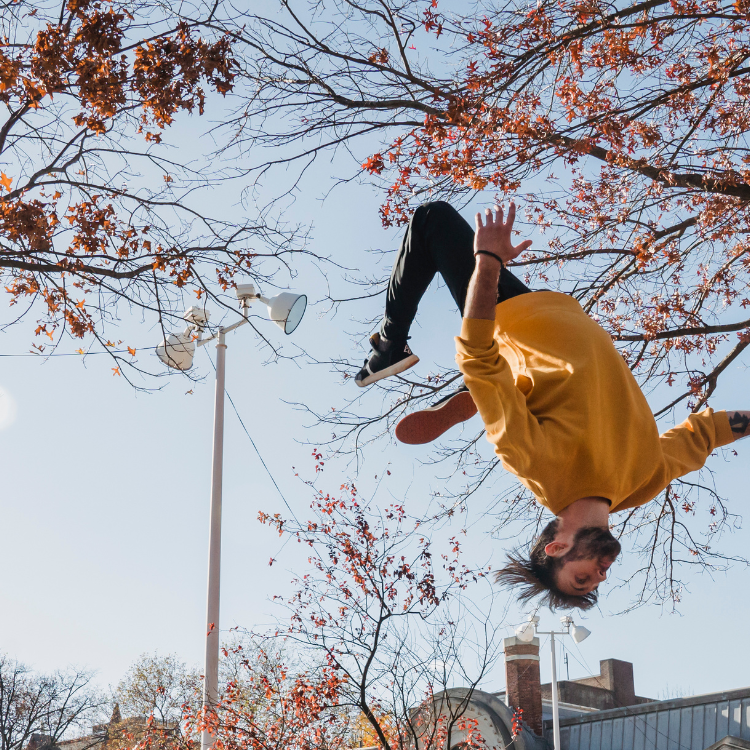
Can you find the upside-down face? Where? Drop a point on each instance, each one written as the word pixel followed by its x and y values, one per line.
pixel 585 562
pixel 579 577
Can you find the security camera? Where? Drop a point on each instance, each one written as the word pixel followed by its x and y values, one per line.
pixel 246 291
pixel 197 316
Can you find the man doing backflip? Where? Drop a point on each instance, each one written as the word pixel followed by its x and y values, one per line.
pixel 559 404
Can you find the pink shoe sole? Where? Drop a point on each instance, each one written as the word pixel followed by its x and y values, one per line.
pixel 429 424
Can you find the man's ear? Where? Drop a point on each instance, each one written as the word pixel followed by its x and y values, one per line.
pixel 556 549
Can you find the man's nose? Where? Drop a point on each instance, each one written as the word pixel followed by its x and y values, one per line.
pixel 602 574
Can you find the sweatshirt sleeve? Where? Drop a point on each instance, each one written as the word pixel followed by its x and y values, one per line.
pixel 510 427
pixel 687 446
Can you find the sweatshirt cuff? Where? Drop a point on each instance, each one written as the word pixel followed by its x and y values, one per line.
pixel 476 334
pixel 724 434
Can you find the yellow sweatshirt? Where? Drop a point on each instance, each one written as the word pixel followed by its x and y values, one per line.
pixel 564 412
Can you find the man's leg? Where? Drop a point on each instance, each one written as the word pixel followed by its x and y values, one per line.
pixel 437 240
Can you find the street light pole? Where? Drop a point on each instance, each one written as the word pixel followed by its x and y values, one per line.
pixel 177 351
pixel 213 594
pixel 526 632
pixel 555 703
pixel 211 676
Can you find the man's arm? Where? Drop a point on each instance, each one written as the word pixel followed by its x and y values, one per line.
pixel 492 248
pixel 511 428
pixel 687 446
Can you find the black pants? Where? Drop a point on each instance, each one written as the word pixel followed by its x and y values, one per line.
pixel 437 240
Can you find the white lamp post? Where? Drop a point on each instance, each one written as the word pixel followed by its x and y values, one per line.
pixel 526 633
pixel 177 351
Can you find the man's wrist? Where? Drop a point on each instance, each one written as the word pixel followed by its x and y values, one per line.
pixel 479 254
pixel 488 262
pixel 481 296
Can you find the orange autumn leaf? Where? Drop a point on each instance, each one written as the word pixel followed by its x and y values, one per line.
pixel 116 371
pixel 132 351
pixel 5 181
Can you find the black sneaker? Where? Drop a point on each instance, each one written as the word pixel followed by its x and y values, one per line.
pixel 429 424
pixel 396 358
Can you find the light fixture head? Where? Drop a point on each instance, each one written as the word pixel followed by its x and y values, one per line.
pixel 177 351
pixel 579 633
pixel 525 633
pixel 286 310
pixel 245 292
pixel 197 316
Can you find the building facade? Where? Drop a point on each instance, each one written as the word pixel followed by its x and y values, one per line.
pixel 600 712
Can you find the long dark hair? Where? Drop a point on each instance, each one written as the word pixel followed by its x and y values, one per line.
pixel 534 573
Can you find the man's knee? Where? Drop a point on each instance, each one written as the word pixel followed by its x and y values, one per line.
pixel 437 208
pixel 439 213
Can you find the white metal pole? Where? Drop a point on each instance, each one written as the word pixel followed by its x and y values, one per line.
pixel 211 672
pixel 555 707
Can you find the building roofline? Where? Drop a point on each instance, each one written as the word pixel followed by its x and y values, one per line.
pixel 647 708
pixel 572 706
pixel 501 694
pixel 730 743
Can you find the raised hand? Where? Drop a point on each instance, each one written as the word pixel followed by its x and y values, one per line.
pixel 494 235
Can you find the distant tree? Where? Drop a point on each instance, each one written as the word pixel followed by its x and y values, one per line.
pixel 56 706
pixel 378 626
pixel 159 687
pixel 375 631
pixel 267 699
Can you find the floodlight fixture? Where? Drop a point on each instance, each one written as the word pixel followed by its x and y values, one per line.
pixel 579 633
pixel 177 350
pixel 198 317
pixel 285 309
pixel 526 632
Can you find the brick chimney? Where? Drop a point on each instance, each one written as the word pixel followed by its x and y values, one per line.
pixel 617 676
pixel 524 688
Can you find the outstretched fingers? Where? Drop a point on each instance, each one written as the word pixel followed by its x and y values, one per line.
pixel 497 217
pixel 522 248
pixel 492 229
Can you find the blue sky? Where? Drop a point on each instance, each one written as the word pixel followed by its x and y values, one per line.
pixel 104 509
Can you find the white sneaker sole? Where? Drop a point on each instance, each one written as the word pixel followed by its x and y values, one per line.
pixel 399 367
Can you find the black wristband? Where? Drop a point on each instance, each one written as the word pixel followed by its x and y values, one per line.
pixel 492 255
